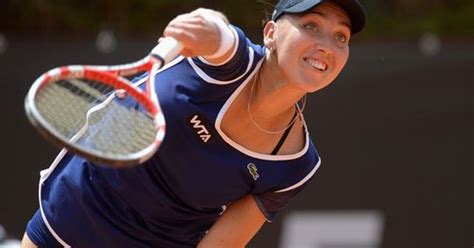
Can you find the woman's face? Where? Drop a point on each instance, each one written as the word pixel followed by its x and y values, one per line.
pixel 311 48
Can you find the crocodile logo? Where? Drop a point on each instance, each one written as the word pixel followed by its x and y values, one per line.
pixel 253 171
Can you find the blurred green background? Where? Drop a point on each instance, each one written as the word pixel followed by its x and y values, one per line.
pixel 146 18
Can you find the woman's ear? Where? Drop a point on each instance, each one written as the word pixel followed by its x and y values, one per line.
pixel 269 35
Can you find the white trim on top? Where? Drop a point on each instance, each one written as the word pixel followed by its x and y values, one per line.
pixel 239 147
pixel 44 174
pixel 302 181
pixel 211 80
pixel 234 51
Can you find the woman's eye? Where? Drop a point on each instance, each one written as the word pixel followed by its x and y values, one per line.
pixel 311 26
pixel 341 38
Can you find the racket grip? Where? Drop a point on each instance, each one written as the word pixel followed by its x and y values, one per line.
pixel 168 49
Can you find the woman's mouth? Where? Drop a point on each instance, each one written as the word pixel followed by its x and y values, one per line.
pixel 316 64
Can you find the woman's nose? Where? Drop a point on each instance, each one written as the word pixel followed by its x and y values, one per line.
pixel 323 43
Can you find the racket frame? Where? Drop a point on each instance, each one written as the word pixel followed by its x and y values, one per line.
pixel 92 72
pixel 163 53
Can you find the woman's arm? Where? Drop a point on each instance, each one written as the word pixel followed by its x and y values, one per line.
pixel 237 225
pixel 205 33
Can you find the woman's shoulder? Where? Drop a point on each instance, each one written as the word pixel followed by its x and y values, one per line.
pixel 255 47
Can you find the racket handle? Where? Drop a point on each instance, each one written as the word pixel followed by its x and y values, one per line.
pixel 168 49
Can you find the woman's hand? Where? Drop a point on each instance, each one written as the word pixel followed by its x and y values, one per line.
pixel 197 31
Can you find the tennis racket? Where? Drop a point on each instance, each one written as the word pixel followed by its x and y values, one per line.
pixel 96 111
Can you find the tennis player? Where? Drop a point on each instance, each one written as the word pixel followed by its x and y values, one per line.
pixel 236 150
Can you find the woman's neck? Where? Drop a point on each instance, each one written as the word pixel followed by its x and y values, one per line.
pixel 271 98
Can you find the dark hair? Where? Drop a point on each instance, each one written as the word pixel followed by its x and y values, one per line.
pixel 267 9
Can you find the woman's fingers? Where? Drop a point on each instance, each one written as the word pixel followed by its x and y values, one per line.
pixel 199 35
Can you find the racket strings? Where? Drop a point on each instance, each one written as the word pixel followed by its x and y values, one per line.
pixel 119 130
pixel 92 92
pixel 89 112
pixel 68 97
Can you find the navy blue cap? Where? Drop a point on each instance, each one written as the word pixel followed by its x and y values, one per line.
pixel 353 8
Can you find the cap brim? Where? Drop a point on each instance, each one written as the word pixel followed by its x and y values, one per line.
pixel 356 13
pixel 302 6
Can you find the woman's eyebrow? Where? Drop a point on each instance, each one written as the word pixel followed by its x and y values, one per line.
pixel 343 22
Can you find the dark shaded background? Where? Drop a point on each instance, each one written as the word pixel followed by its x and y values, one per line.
pixel 394 130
